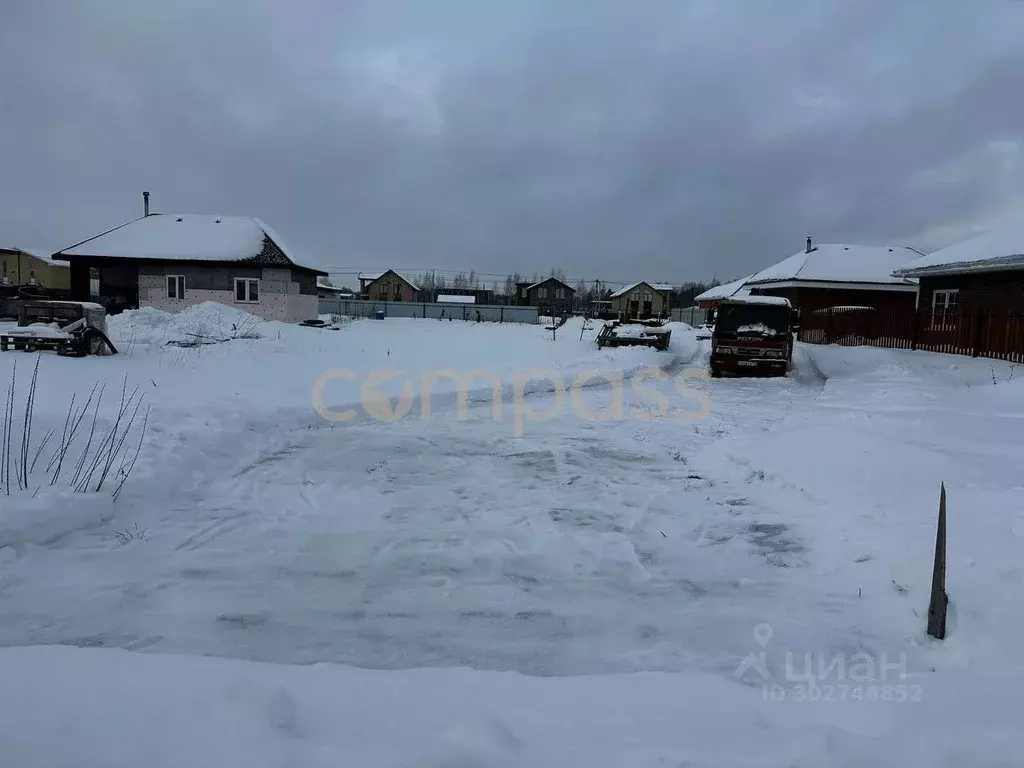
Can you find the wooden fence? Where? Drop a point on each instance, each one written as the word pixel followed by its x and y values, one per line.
pixel 979 333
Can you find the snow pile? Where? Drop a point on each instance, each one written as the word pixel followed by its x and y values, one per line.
pixel 48 515
pixel 759 328
pixel 39 330
pixel 209 320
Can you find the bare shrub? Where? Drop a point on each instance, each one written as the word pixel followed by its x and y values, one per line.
pixel 104 461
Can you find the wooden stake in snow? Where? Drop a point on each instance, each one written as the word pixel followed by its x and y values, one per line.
pixel 939 601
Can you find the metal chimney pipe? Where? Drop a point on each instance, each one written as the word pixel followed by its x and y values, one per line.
pixel 145 203
pixel 808 244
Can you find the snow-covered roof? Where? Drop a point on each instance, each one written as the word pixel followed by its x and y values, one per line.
pixel 724 291
pixel 997 249
pixel 779 301
pixel 663 287
pixel 830 263
pixel 371 276
pixel 184 237
pixel 629 288
pixel 451 298
pixel 321 285
pixel 38 253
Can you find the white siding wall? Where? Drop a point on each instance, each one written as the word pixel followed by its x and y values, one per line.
pixel 279 297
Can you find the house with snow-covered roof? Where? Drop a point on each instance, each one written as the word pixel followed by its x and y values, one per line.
pixel 387 286
pixel 639 301
pixel 830 275
pixel 984 273
pixel 550 294
pixel 172 261
pixel 34 267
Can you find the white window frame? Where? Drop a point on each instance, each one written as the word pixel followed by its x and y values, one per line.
pixel 179 286
pixel 635 296
pixel 542 293
pixel 524 290
pixel 942 318
pixel 559 293
pixel 248 282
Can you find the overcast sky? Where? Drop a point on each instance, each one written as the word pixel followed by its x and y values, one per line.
pixel 634 139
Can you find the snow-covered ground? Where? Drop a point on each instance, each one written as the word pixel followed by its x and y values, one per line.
pixel 614 560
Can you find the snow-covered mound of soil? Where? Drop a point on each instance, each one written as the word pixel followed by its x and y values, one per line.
pixel 208 320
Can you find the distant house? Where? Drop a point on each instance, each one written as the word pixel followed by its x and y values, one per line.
pixel 639 301
pixel 823 276
pixel 549 295
pixel 172 261
pixel 33 266
pixel 388 286
pixel 325 290
pixel 984 273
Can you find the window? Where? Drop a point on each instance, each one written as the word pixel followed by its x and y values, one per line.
pixel 32 273
pixel 247 289
pixel 647 296
pixel 944 309
pixel 542 293
pixel 175 286
pixel 523 293
pixel 635 296
pixel 559 293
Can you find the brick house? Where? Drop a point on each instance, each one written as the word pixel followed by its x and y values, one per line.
pixel 387 286
pixel 828 275
pixel 173 261
pixel 985 274
pixel 639 301
pixel 550 295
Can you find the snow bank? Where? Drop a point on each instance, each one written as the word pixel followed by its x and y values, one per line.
pixel 117 708
pixel 209 319
pixel 49 515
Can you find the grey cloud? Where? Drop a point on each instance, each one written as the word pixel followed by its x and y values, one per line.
pixel 614 140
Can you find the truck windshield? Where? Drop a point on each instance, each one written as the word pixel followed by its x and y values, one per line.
pixel 760 319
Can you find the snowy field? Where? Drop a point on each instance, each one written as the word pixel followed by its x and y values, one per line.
pixel 570 564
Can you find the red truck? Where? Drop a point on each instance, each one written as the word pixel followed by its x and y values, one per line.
pixel 753 336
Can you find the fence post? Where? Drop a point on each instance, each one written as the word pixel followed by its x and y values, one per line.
pixel 424 310
pixel 501 314
pixel 976 340
pixel 940 600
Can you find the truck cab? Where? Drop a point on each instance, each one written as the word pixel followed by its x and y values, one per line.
pixel 753 336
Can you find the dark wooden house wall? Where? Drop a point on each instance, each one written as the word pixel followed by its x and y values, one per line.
pixel 995 291
pixel 810 299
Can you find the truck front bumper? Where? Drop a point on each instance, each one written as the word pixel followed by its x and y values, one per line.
pixel 743 366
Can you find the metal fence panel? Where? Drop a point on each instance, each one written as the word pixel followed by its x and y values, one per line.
pixel 429 310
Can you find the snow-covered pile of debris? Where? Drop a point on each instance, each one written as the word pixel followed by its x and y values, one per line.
pixel 208 321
